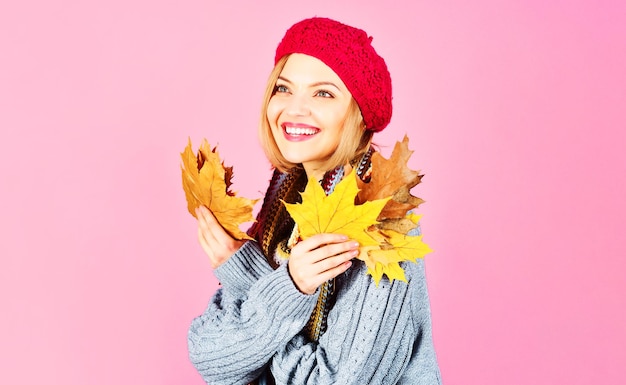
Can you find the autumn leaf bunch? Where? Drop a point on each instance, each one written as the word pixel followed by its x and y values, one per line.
pixel 376 214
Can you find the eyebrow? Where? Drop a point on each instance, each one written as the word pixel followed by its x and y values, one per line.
pixel 316 84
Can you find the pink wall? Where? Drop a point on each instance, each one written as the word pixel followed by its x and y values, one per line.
pixel 516 113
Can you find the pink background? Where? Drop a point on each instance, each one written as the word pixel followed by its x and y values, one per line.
pixel 516 113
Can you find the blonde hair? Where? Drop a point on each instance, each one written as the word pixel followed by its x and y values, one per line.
pixel 355 139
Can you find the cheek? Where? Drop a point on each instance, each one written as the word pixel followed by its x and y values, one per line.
pixel 337 123
pixel 273 111
pixel 339 116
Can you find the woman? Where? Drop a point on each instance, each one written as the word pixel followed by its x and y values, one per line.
pixel 293 312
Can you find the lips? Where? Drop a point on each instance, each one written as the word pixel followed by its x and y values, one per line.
pixel 297 132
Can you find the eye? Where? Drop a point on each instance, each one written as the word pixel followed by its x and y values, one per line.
pixel 324 94
pixel 280 88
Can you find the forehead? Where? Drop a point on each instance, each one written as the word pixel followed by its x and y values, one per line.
pixel 303 68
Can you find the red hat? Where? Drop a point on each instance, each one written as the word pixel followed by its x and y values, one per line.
pixel 347 51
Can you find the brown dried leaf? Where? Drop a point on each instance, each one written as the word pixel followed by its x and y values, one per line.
pixel 392 177
pixel 392 249
pixel 400 225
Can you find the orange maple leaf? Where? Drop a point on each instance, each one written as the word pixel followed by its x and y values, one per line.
pixel 207 182
pixel 392 178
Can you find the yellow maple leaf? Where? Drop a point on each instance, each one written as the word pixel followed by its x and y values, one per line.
pixel 381 250
pixel 206 182
pixel 335 213
pixel 392 271
pixel 393 248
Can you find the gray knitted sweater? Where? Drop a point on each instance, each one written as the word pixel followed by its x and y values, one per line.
pixel 375 335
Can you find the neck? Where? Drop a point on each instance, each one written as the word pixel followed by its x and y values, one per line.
pixel 316 174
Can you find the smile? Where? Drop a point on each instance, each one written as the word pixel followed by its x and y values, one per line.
pixel 296 132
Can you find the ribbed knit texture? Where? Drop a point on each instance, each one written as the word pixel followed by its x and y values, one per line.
pixel 243 272
pixel 375 335
pixel 238 334
pixel 348 51
pixel 256 321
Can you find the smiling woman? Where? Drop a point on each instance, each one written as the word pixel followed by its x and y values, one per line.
pixel 306 114
pixel 277 94
pixel 292 310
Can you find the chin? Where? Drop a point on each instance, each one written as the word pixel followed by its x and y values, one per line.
pixel 295 160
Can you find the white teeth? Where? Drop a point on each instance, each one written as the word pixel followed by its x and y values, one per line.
pixel 300 130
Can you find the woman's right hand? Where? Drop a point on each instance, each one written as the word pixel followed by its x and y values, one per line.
pixel 320 258
pixel 215 241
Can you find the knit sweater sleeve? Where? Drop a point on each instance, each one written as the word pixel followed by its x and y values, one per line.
pixel 243 269
pixel 375 335
pixel 233 340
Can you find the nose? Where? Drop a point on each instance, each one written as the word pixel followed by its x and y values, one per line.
pixel 298 105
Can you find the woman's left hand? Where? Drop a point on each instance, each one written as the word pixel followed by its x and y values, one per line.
pixel 315 260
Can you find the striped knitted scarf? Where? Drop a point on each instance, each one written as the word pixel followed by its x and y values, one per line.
pixel 274 226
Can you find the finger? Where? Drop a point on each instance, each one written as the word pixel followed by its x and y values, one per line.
pixel 208 250
pixel 205 226
pixel 309 275
pixel 334 261
pixel 315 281
pixel 335 271
pixel 338 248
pixel 323 253
pixel 218 232
pixel 319 240
pixel 322 246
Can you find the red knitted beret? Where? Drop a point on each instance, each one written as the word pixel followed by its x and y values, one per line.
pixel 347 51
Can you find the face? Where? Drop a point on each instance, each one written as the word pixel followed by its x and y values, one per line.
pixel 307 112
